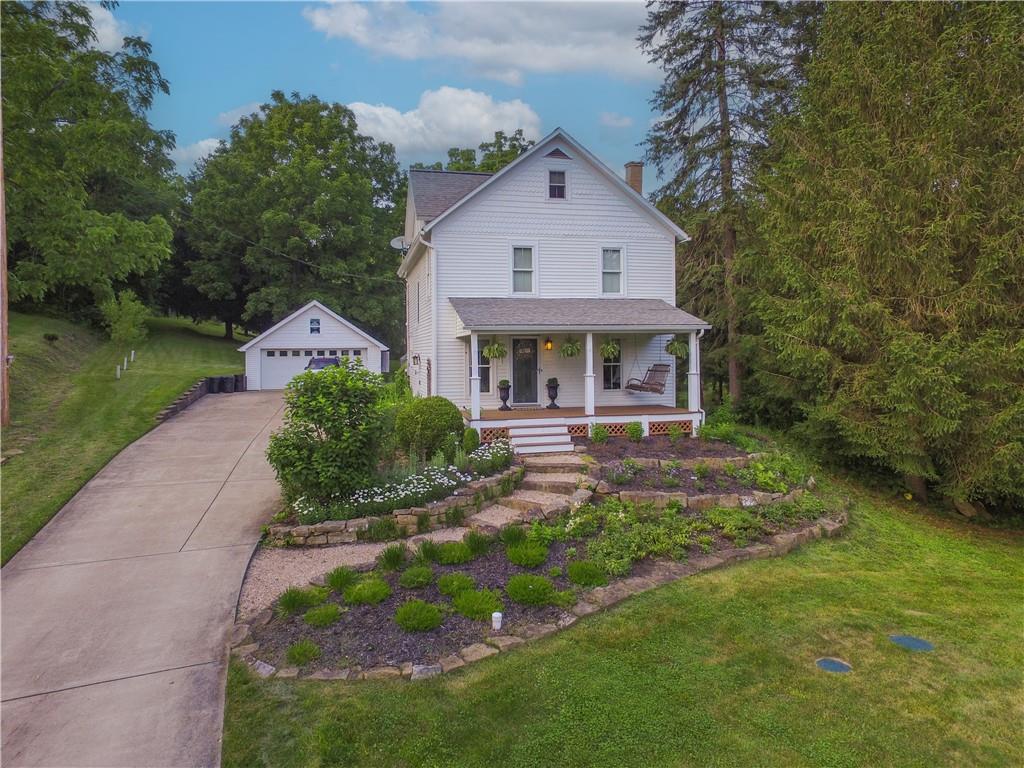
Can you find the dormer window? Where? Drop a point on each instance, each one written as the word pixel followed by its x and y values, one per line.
pixel 314 326
pixel 556 185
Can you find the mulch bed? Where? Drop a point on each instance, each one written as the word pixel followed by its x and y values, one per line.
pixel 618 448
pixel 688 483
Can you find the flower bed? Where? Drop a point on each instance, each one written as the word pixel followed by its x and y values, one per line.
pixel 661 447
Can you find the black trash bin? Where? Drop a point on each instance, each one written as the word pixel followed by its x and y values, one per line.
pixel 227 384
pixel 212 385
pixel 239 382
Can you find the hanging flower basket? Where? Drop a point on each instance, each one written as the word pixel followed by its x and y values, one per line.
pixel 610 349
pixel 495 351
pixel 570 348
pixel 677 347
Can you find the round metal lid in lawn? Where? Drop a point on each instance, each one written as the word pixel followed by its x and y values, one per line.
pixel 912 643
pixel 830 664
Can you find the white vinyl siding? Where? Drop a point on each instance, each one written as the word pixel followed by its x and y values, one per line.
pixel 420 339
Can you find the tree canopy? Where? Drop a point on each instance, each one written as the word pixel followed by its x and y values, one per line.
pixel 298 205
pixel 494 155
pixel 88 179
pixel 891 285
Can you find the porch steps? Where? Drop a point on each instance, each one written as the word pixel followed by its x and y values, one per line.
pixel 554 482
pixel 540 439
pixel 569 463
pixel 536 503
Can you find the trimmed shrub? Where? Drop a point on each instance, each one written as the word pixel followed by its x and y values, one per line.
pixel 323 615
pixel 370 591
pixel 392 557
pixel 477 604
pixel 418 616
pixel 302 652
pixel 295 599
pixel 416 577
pixel 341 578
pixel 452 584
pixel 425 423
pixel 477 542
pixel 586 574
pixel 635 431
pixel 527 589
pixel 599 434
pixel 529 554
pixel 513 535
pixel 454 553
pixel 470 440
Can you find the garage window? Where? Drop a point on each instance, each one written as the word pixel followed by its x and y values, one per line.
pixel 308 353
pixel 357 352
pixel 314 326
pixel 295 353
pixel 334 353
pixel 319 353
pixel 270 353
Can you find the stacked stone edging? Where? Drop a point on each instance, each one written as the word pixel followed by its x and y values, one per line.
pixel 656 574
pixel 184 400
pixel 408 520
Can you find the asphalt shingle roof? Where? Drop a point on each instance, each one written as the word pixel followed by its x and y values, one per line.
pixel 572 314
pixel 434 192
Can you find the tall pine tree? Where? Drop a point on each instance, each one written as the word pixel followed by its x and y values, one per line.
pixel 730 67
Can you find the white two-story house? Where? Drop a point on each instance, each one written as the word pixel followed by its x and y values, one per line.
pixel 552 255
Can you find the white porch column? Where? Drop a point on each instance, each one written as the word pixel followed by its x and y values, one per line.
pixel 474 376
pixel 588 378
pixel 693 374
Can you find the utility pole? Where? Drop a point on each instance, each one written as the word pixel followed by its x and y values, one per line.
pixel 5 389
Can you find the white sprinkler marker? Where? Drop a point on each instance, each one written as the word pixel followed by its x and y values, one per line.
pixel 496 621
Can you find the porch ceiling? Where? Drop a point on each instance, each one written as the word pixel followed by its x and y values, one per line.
pixel 571 314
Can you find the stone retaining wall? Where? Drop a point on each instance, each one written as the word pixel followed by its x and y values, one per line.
pixel 184 400
pixel 445 513
pixel 661 499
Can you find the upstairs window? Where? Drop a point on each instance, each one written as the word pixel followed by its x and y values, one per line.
pixel 611 270
pixel 556 185
pixel 522 270
pixel 314 326
pixel 613 369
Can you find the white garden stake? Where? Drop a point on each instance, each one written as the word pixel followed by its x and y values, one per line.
pixel 496 621
pixel 126 362
pixel 117 372
pixel 133 355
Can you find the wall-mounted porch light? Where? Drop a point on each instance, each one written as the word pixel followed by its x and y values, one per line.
pixel 549 344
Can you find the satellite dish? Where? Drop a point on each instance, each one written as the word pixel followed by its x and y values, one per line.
pixel 398 243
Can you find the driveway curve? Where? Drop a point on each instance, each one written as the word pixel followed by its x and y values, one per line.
pixel 115 616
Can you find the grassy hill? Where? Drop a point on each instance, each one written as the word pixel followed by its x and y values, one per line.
pixel 70 416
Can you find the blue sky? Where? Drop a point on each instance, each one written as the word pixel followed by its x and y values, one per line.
pixel 424 76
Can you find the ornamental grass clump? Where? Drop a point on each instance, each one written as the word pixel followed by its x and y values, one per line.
pixel 369 591
pixel 416 577
pixel 392 557
pixel 323 615
pixel 452 584
pixel 529 554
pixel 301 653
pixel 477 604
pixel 454 553
pixel 341 578
pixel 296 599
pixel 513 535
pixel 418 616
pixel 477 542
pixel 586 574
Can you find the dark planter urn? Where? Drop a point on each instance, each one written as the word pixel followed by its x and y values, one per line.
pixel 553 395
pixel 503 392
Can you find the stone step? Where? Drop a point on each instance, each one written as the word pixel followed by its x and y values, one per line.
pixel 555 464
pixel 554 482
pixel 494 518
pixel 545 503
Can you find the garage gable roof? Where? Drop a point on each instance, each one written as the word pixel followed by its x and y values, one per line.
pixel 249 344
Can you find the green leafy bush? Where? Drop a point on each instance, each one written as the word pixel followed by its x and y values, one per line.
pixel 452 583
pixel 477 542
pixel 425 423
pixel 599 434
pixel 323 615
pixel 454 553
pixel 470 440
pixel 125 318
pixel 627 533
pixel 477 604
pixel 528 589
pixel 774 472
pixel 301 653
pixel 555 572
pixel 635 431
pixel 369 591
pixel 529 554
pixel 418 616
pixel 341 578
pixel 416 577
pixel 736 523
pixel 382 529
pixel 392 557
pixel 513 535
pixel 586 574
pixel 329 443
pixel 675 433
pixel 296 599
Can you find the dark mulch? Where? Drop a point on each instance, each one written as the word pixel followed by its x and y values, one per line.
pixel 675 480
pixel 618 448
pixel 367 635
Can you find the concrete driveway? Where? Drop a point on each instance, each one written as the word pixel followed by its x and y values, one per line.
pixel 115 615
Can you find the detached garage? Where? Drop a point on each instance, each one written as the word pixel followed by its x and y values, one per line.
pixel 274 357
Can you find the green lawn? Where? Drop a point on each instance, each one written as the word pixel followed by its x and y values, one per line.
pixel 716 670
pixel 70 416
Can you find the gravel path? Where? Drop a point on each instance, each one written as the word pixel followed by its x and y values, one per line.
pixel 273 570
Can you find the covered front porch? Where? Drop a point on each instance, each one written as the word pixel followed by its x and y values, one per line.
pixel 655 419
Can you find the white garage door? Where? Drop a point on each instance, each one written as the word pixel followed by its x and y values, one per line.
pixel 278 366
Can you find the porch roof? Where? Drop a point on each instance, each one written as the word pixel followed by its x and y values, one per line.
pixel 570 314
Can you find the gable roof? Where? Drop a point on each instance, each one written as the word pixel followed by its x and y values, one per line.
pixel 323 309
pixel 434 192
pixel 605 171
pixel 500 313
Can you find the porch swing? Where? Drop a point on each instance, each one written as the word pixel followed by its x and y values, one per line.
pixel 653 381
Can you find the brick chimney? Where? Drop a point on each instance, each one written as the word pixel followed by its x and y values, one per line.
pixel 635 176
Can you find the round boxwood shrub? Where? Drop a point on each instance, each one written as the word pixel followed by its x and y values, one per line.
pixel 529 554
pixel 418 616
pixel 323 615
pixel 477 604
pixel 527 589
pixel 341 578
pixel 454 553
pixel 587 574
pixel 452 584
pixel 425 423
pixel 416 577
pixel 302 652
pixel 368 592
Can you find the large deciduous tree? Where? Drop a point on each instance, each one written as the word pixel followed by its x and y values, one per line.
pixel 88 179
pixel 730 67
pixel 494 155
pixel 298 205
pixel 892 284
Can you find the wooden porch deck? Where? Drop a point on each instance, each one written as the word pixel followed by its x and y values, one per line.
pixel 493 414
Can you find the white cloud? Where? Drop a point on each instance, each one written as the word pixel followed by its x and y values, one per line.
pixel 187 156
pixel 498 40
pixel 447 117
pixel 110 32
pixel 615 120
pixel 232 116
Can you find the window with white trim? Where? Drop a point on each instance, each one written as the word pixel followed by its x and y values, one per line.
pixel 612 369
pixel 483 366
pixel 522 269
pixel 556 185
pixel 314 326
pixel 611 270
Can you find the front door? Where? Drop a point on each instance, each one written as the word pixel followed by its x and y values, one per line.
pixel 524 371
